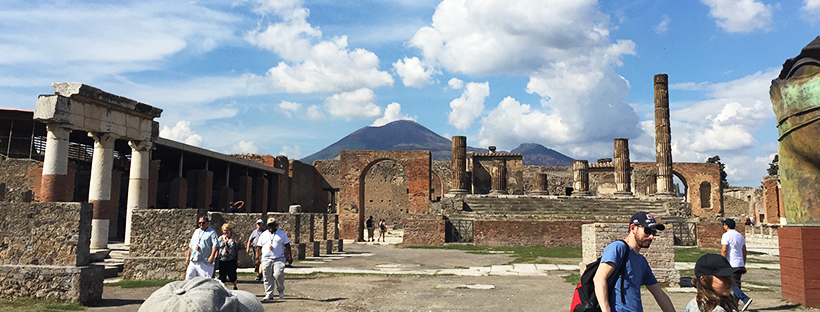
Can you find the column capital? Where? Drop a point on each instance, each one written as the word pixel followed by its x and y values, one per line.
pixel 143 145
pixel 105 139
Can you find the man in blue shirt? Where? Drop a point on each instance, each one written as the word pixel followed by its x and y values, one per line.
pixel 202 251
pixel 642 230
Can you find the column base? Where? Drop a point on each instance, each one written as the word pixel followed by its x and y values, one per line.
pixel 498 192
pixel 624 194
pixel 665 194
pixel 539 193
pixel 99 233
pixel 458 191
pixel 577 194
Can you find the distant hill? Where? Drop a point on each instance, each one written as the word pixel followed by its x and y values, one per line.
pixel 409 135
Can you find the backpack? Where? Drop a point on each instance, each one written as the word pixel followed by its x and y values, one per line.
pixel 584 298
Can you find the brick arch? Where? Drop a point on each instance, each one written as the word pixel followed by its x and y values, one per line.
pixel 353 166
pixel 692 175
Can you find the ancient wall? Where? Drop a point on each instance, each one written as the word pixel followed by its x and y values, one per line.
pixel 20 175
pixel 558 178
pixel 696 175
pixel 307 187
pixel 771 200
pixel 423 232
pixel 45 252
pixel 482 169
pixel 709 233
pixel 660 255
pixel 527 233
pixel 385 192
pixel 329 169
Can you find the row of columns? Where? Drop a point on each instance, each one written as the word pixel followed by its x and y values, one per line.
pixel 622 166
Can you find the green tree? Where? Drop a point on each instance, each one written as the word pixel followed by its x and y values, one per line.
pixel 716 160
pixel 774 166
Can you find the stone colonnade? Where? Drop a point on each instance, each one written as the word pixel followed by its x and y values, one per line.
pixel 663 137
pixel 106 117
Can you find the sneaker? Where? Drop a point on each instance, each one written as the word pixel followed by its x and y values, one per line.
pixel 746 305
pixel 259 277
pixel 234 287
pixel 282 295
pixel 267 298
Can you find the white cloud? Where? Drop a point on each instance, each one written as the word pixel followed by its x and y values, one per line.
pixel 289 108
pixel 294 152
pixel 391 113
pixel 740 16
pixel 413 73
pixel 310 63
pixel 663 26
pixel 181 132
pixel 811 10
pixel 353 105
pixel 455 83
pixel 512 121
pixel 314 113
pixel 245 147
pixel 469 106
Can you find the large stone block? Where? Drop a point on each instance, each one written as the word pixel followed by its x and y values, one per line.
pixel 162 232
pixel 45 233
pixel 423 232
pixel 527 233
pixel 66 283
pixel 660 255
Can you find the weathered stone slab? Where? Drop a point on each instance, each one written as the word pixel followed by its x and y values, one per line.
pixel 66 283
pixel 45 233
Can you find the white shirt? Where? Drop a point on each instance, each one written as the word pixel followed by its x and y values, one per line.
pixel 735 243
pixel 273 244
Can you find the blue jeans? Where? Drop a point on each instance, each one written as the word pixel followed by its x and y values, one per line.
pixel 736 287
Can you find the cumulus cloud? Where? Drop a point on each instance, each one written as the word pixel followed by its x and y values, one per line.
pixel 811 10
pixel 469 106
pixel 289 108
pixel 244 147
pixel 512 121
pixel 312 64
pixel 455 83
pixel 413 73
pixel 314 113
pixel 353 105
pixel 181 132
pixel 663 26
pixel 391 113
pixel 740 16
pixel 294 152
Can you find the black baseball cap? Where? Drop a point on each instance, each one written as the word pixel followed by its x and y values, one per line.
pixel 729 222
pixel 714 264
pixel 645 219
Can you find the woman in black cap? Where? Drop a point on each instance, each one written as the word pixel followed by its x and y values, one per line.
pixel 713 280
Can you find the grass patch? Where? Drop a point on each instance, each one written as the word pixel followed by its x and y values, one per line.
pixel 530 254
pixel 760 261
pixel 692 254
pixel 140 284
pixel 573 278
pixel 688 272
pixel 33 304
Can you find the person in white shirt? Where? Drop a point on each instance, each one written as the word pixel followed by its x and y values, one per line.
pixel 273 251
pixel 202 251
pixel 733 247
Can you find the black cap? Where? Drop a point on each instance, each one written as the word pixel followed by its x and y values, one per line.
pixel 645 219
pixel 729 222
pixel 714 264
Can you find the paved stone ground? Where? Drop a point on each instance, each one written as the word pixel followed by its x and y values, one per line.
pixel 384 278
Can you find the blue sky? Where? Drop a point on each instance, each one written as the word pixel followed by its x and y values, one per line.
pixel 291 77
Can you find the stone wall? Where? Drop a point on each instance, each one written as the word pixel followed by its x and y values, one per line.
pixel 423 232
pixel 709 233
pixel 660 255
pixel 385 192
pixel 45 252
pixel 307 187
pixel 19 175
pixel 527 233
pixel 243 224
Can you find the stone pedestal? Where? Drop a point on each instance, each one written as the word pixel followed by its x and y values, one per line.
pixel 499 177
pixel 458 182
pixel 623 169
pixel 663 137
pixel 540 185
pixel 580 175
pixel 799 260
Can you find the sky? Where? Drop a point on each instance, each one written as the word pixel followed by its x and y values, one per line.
pixel 290 77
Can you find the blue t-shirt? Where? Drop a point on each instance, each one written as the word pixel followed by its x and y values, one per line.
pixel 206 240
pixel 637 273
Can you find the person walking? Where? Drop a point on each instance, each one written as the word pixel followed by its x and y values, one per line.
pixel 642 231
pixel 382 229
pixel 229 246
pixel 733 247
pixel 251 247
pixel 202 250
pixel 273 252
pixel 713 281
pixel 369 225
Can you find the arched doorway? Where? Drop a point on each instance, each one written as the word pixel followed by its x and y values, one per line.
pixel 386 186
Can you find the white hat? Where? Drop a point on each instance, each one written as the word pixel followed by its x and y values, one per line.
pixel 260 221
pixel 271 220
pixel 201 294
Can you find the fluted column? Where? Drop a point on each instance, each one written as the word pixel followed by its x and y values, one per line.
pixel 623 168
pixel 137 181
pixel 663 136
pixel 580 175
pixel 54 182
pixel 540 187
pixel 99 189
pixel 499 177
pixel 458 182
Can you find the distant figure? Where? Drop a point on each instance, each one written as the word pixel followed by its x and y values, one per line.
pixel 251 247
pixel 748 221
pixel 202 251
pixel 236 206
pixel 713 280
pixel 369 225
pixel 273 249
pixel 382 229
pixel 733 247
pixel 229 246
pixel 329 208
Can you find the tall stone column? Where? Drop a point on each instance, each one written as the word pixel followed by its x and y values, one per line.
pixel 580 175
pixel 99 189
pixel 663 136
pixel 137 181
pixel 540 185
pixel 499 177
pixel 623 168
pixel 54 182
pixel 458 183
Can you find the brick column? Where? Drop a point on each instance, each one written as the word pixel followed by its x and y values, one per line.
pixel 799 257
pixel 623 168
pixel 99 189
pixel 137 181
pixel 260 201
pixel 499 177
pixel 273 193
pixel 200 188
pixel 178 194
pixel 580 178
pixel 246 191
pixel 663 137
pixel 458 182
pixel 55 165
pixel 540 187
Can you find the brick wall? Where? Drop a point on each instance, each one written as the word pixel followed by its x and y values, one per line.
pixel 423 232
pixel 709 233
pixel 526 233
pixel 660 255
pixel 799 254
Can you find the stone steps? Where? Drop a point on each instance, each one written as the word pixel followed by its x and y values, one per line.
pixel 558 205
pixel 112 259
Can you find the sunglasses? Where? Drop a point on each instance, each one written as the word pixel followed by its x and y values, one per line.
pixel 200 223
pixel 650 231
